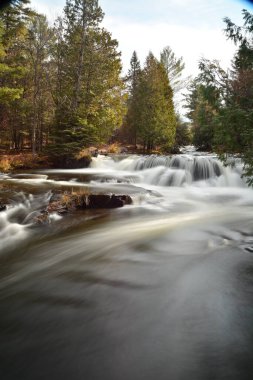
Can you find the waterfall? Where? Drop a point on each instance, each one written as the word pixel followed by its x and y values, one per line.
pixel 179 170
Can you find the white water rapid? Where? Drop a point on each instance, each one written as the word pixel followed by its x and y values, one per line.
pixel 159 289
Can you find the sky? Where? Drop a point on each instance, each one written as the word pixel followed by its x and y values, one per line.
pixel 192 28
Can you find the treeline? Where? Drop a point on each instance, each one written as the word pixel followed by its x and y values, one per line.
pixel 61 87
pixel 151 119
pixel 220 103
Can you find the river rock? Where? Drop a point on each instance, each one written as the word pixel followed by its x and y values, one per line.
pixel 42 219
pixel 3 207
pixel 65 202
pixel 57 206
pixel 107 201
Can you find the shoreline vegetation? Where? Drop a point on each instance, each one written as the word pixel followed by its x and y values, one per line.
pixel 62 91
pixel 13 161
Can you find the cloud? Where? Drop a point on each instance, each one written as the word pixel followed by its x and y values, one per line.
pixel 192 28
pixel 189 42
pixel 45 7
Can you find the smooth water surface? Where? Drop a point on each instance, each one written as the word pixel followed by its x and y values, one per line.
pixel 161 289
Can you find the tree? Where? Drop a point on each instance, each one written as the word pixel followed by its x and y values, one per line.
pixel 88 87
pixel 207 95
pixel 13 69
pixel 40 105
pixel 183 133
pixel 156 118
pixel 235 122
pixel 174 67
pixel 133 79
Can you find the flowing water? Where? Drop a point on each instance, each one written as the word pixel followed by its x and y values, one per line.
pixel 160 289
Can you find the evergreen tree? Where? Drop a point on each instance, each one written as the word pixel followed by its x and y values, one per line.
pixel 156 119
pixel 206 97
pixel 13 68
pixel 174 67
pixel 183 133
pixel 88 88
pixel 133 80
pixel 38 96
pixel 235 122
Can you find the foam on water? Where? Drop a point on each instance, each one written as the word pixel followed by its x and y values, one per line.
pixel 184 183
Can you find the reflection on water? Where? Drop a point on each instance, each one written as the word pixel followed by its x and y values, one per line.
pixel 161 289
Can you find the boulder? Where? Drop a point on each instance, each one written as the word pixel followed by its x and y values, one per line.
pixel 98 201
pixel 107 201
pixel 65 202
pixel 2 207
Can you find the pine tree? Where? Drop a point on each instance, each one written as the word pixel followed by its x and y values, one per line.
pixel 88 88
pixel 133 79
pixel 206 97
pixel 40 103
pixel 174 67
pixel 13 69
pixel 235 132
pixel 156 119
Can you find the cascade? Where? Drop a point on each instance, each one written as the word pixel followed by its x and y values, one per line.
pixel 176 170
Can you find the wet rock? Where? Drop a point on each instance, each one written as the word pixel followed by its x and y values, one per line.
pixel 56 196
pixel 65 202
pixel 42 219
pixel 3 207
pixel 126 199
pixel 98 201
pixel 57 206
pixel 107 201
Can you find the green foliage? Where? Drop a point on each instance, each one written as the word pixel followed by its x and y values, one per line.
pixel 9 95
pixel 183 133
pixel 235 132
pixel 220 104
pixel 88 90
pixel 133 80
pixel 59 86
pixel 12 71
pixel 204 101
pixel 150 118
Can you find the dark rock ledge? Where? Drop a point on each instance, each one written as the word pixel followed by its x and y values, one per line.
pixel 63 203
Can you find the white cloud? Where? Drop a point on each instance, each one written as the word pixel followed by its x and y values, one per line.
pixel 52 11
pixel 192 28
pixel 191 43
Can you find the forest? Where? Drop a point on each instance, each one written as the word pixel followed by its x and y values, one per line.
pixel 62 90
pixel 126 194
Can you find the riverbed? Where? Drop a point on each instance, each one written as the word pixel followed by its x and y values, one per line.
pixel 160 289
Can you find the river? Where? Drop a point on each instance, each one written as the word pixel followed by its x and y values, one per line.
pixel 160 289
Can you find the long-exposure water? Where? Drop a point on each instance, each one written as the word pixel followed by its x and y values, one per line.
pixel 160 289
